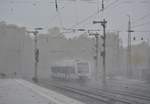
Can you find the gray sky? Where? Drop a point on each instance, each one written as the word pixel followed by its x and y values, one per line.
pixel 42 13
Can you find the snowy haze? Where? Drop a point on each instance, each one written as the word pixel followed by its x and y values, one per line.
pixel 42 13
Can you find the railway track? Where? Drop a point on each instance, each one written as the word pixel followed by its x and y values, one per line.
pixel 107 97
pixel 126 93
pixel 145 87
pixel 126 96
pixel 133 90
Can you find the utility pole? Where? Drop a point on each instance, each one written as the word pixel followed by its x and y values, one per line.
pixel 103 23
pixel 36 53
pixel 129 64
pixel 103 53
pixel 96 57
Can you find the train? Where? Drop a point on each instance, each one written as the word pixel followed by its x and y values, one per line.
pixel 71 70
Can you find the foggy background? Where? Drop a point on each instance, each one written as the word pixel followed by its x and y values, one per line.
pixel 42 13
pixel 20 16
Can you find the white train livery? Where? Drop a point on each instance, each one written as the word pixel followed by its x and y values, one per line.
pixel 71 70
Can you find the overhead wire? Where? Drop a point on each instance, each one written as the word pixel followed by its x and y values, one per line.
pixel 139 25
pixel 60 18
pixel 58 14
pixel 94 14
pixel 85 19
pixel 111 4
pixel 98 8
pixel 144 31
pixel 107 1
pixel 76 9
pixel 141 18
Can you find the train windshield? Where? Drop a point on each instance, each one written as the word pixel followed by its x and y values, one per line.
pixel 83 67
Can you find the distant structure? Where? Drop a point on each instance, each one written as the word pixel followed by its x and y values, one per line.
pixel 56 47
pixel 15 51
pixel 140 59
pixel 17 55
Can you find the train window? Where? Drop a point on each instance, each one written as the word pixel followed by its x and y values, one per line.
pixel 63 69
pixel 83 68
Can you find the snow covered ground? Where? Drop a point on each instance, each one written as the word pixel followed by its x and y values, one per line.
pixel 18 91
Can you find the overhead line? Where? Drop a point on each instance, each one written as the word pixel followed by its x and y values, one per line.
pixel 94 14
pixel 139 25
pixel 85 19
pixel 109 30
pixel 141 18
pixel 112 3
